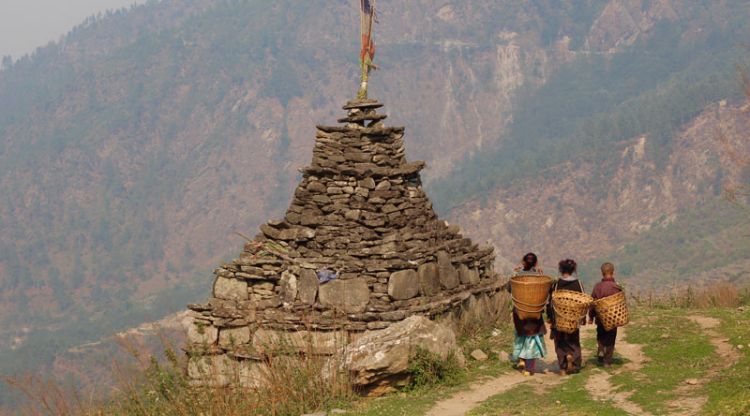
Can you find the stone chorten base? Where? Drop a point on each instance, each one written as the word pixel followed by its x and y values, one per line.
pixel 359 248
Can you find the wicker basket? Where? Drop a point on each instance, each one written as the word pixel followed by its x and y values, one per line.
pixel 530 294
pixel 570 309
pixel 612 311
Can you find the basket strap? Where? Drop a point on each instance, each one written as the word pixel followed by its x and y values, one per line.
pixel 522 309
pixel 529 304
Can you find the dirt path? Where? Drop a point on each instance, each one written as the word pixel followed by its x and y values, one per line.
pixel 462 402
pixel 599 384
pixel 689 402
pixel 600 387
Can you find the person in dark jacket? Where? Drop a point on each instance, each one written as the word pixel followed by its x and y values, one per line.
pixel 605 339
pixel 567 346
pixel 529 341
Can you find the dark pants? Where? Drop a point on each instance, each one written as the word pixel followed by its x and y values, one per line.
pixel 568 344
pixel 606 342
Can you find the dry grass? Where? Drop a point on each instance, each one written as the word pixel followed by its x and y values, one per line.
pixel 719 295
pixel 486 313
pixel 291 385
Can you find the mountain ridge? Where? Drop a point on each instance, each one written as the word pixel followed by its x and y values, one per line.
pixel 132 150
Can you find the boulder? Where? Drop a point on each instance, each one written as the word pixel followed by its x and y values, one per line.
pixel 403 285
pixel 379 360
pixel 429 281
pixel 349 296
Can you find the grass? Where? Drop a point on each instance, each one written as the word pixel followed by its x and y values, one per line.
pixel 568 398
pixel 729 393
pixel 676 350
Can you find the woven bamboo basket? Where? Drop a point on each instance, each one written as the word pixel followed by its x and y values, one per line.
pixel 530 294
pixel 612 311
pixel 570 309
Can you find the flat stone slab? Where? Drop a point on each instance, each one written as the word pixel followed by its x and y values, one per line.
pixel 362 104
pixel 403 285
pixel 350 296
pixel 429 280
pixel 230 289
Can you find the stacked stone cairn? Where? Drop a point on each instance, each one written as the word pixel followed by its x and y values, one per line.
pixel 358 215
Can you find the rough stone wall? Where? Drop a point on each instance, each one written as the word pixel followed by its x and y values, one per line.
pixel 360 211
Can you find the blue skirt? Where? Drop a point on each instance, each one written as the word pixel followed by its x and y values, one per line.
pixel 529 347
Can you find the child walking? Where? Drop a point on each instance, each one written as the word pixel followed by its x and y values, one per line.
pixel 529 341
pixel 567 346
pixel 605 339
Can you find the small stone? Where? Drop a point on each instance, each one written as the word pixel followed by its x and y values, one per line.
pixel 308 286
pixel 383 186
pixel 288 285
pixel 367 183
pixel 478 355
pixel 337 412
pixel 739 347
pixel 316 187
pixel 691 382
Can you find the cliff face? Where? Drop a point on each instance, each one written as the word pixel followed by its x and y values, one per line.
pixel 587 208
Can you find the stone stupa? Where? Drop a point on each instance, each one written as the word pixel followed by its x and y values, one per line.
pixel 360 248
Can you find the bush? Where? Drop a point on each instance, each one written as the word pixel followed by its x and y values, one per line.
pixel 428 369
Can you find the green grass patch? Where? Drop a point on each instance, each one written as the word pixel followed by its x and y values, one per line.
pixel 569 398
pixel 676 349
pixel 729 393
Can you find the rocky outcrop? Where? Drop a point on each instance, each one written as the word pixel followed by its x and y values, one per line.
pixel 359 249
pixel 379 360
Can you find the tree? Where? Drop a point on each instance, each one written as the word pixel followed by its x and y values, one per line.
pixel 7 62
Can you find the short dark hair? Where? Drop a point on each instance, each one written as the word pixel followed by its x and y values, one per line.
pixel 529 261
pixel 567 266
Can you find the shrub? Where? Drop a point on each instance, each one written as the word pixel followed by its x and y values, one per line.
pixel 428 369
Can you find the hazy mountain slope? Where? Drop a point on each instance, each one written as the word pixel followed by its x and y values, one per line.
pixel 133 149
pixel 590 206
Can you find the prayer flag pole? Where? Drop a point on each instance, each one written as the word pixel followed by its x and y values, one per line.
pixel 367 52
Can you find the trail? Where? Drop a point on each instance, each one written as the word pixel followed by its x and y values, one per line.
pixel 689 403
pixel 600 387
pixel 462 402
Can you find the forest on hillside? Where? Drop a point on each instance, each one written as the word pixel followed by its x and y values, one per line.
pixel 125 145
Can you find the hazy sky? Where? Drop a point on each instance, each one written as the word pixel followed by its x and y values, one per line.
pixel 28 24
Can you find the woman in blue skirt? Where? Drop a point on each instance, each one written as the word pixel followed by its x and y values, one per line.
pixel 529 342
